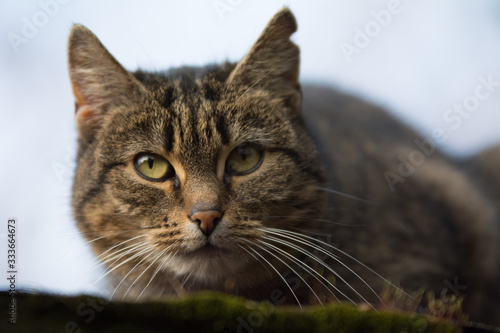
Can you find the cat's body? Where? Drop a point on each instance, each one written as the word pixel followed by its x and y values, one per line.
pixel 437 229
pixel 244 200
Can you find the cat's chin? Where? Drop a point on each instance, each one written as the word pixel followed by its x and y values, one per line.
pixel 209 251
pixel 206 264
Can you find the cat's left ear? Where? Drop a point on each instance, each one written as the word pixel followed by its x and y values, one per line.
pixel 273 61
pixel 99 81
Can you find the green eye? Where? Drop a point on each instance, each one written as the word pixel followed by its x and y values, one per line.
pixel 153 167
pixel 244 159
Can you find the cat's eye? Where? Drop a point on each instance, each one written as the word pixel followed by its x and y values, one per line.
pixel 244 159
pixel 153 167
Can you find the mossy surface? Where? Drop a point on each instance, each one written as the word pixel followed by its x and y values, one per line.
pixel 202 312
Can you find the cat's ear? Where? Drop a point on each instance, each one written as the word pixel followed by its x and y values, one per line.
pixel 98 80
pixel 273 61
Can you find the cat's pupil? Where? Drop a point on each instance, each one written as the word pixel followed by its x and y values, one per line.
pixel 150 162
pixel 243 154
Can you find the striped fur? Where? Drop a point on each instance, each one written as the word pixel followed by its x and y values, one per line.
pixel 438 225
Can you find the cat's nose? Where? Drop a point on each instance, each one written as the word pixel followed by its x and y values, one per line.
pixel 206 219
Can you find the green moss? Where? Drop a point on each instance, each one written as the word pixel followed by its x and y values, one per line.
pixel 203 312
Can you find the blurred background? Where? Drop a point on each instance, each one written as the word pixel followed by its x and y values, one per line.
pixel 418 59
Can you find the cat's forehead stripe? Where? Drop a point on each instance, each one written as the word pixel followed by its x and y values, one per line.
pixel 169 137
pixel 190 103
pixel 191 119
pixel 222 129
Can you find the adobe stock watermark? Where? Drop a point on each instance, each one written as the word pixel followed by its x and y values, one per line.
pixel 364 35
pixel 223 7
pixel 454 117
pixel 64 170
pixel 12 267
pixel 87 311
pixel 448 295
pixel 31 26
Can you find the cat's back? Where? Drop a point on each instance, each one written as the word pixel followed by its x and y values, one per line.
pixel 425 220
pixel 335 111
pixel 364 147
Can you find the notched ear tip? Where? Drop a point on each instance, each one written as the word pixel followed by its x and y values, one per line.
pixel 273 56
pixel 283 24
pixel 288 19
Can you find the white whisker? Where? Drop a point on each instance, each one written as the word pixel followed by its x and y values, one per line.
pixel 156 271
pixel 342 252
pixel 117 255
pixel 294 260
pixel 309 254
pixel 115 246
pixel 144 271
pixel 326 266
pixel 183 282
pixel 347 195
pixel 148 249
pixel 256 259
pixel 284 280
pixel 139 263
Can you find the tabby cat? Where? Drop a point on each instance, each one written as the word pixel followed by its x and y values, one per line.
pixel 234 178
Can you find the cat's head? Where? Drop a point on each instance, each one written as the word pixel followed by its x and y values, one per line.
pixel 187 168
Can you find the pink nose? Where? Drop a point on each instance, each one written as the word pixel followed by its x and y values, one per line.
pixel 206 220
